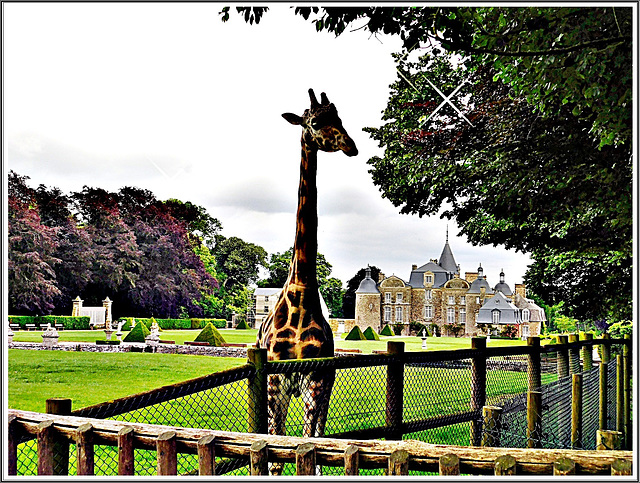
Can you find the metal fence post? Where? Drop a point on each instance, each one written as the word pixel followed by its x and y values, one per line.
pixel 563 357
pixel 62 407
pixel 533 364
pixel 257 417
pixel 478 386
pixel 395 389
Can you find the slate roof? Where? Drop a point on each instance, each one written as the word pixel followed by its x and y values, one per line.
pixel 368 285
pixel 536 313
pixel 479 283
pixel 509 313
pixel 267 291
pixel 446 259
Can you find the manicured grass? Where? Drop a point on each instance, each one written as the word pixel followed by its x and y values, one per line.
pixel 93 377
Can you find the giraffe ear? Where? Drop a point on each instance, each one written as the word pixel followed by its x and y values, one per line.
pixel 293 118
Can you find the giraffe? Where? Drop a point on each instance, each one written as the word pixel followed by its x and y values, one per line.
pixel 296 328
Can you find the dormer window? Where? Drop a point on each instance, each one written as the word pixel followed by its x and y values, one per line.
pixel 525 315
pixel 428 279
pixel 495 316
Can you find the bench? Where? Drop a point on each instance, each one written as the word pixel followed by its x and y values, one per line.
pixel 59 327
pixel 197 343
pixel 14 326
pixel 30 326
pixel 167 341
pixel 233 345
pixel 354 351
pixel 378 352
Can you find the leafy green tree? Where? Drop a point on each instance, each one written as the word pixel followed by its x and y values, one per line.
pixel 550 56
pixel 332 292
pixel 238 260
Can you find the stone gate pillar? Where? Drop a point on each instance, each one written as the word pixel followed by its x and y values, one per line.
pixel 106 303
pixel 77 305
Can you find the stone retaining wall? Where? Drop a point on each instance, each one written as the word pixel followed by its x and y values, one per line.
pixel 136 347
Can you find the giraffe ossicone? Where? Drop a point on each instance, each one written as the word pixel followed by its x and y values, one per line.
pixel 296 328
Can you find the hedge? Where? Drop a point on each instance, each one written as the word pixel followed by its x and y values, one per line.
pixel 175 324
pixel 242 325
pixel 138 333
pixel 355 334
pixel 68 322
pixel 370 334
pixel 386 331
pixel 211 335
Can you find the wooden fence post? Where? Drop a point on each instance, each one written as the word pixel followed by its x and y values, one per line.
pixel 352 460
pixel 533 364
pixel 306 459
pixel 399 463
pixel 492 425
pixel 626 359
pixel 478 386
pixel 206 456
pixel 257 417
pixel 126 455
pixel 576 411
pixel 46 448
pixel 259 458
pixel 13 431
pixel 84 449
pixel 574 355
pixel 604 365
pixel 534 419
pixel 62 407
pixel 564 466
pixel 587 352
pixel 608 440
pixel 620 423
pixel 621 467
pixel 395 390
pixel 504 465
pixel 449 465
pixel 167 455
pixel 562 357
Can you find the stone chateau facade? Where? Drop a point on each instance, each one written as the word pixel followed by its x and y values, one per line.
pixel 436 293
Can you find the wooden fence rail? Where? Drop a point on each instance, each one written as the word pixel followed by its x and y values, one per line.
pixel 396 457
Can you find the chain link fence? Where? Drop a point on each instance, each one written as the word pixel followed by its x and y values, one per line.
pixel 433 396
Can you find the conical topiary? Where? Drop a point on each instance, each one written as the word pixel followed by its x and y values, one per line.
pixel 386 331
pixel 370 334
pixel 137 334
pixel 355 334
pixel 242 325
pixel 211 335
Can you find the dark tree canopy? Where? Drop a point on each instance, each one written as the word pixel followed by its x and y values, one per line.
pixel 349 298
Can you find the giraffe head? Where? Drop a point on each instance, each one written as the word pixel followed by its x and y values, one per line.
pixel 322 128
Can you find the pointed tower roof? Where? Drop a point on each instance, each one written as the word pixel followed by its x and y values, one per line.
pixel 368 285
pixel 446 260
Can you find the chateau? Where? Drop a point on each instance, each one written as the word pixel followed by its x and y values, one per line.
pixel 436 293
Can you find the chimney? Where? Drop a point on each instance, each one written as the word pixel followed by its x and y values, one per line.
pixel 414 267
pixel 380 277
pixel 521 289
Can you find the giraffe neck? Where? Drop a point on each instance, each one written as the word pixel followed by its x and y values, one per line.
pixel 303 264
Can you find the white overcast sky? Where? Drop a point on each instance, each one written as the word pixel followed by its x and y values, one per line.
pixel 167 97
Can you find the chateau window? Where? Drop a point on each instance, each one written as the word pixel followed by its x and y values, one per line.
pixel 495 316
pixel 266 298
pixel 399 298
pixel 387 314
pixel 525 315
pixel 478 300
pixel 463 300
pixel 428 311
pixel 265 309
pixel 452 300
pixel 387 297
pixel 428 279
pixel 428 295
pixel 399 317
pixel 463 316
pixel 451 315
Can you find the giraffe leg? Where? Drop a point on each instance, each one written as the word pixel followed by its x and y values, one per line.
pixel 316 407
pixel 278 400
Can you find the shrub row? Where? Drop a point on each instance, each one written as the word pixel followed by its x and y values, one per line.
pixel 173 324
pixel 68 322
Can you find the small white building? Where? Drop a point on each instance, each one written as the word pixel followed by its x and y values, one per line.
pixel 265 300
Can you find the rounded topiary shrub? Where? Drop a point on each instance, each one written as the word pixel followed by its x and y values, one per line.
pixel 386 331
pixel 137 334
pixel 370 334
pixel 211 335
pixel 242 325
pixel 355 334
